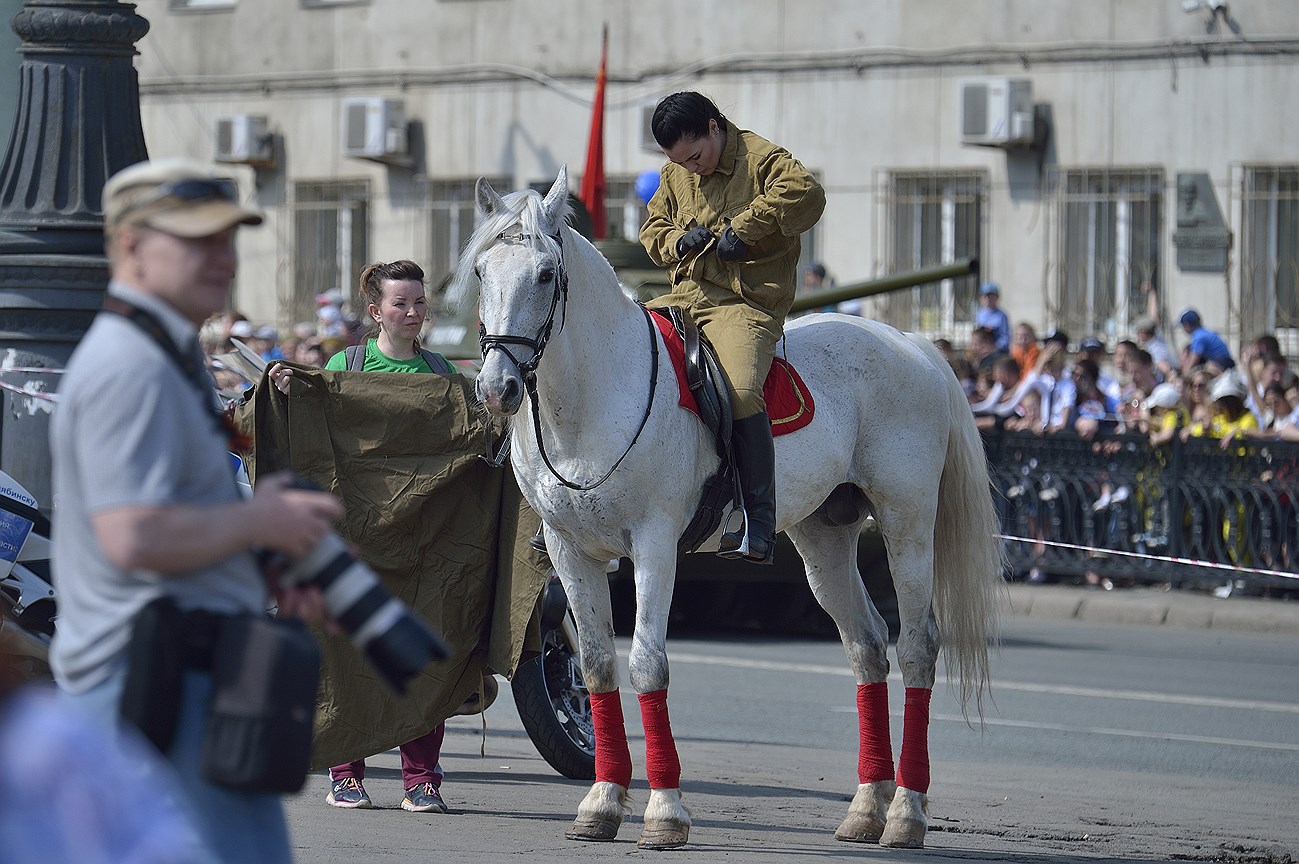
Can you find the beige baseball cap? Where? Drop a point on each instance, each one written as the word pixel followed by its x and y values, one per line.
pixel 178 196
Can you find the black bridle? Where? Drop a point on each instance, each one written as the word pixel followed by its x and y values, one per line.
pixel 528 369
pixel 558 301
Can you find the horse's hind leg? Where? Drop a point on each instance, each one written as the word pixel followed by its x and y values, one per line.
pixel 830 555
pixel 602 810
pixel 911 560
pixel 667 822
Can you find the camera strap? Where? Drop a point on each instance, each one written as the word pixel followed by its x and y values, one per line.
pixel 190 364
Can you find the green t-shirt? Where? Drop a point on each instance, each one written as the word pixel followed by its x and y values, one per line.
pixel 377 361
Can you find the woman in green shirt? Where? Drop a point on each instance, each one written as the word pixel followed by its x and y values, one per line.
pixel 394 299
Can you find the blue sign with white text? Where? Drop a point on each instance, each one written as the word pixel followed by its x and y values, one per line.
pixel 13 534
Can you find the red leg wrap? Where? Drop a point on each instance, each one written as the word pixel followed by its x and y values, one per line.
pixel 875 753
pixel 612 756
pixel 661 762
pixel 913 763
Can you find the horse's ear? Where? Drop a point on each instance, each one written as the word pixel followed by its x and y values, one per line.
pixel 486 198
pixel 555 204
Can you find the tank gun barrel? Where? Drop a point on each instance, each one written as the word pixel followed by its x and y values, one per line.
pixel 885 284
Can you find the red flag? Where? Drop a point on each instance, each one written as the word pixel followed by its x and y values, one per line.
pixel 592 192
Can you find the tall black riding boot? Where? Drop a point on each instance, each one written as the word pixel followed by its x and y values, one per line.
pixel 755 462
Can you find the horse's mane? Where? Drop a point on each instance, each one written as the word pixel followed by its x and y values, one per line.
pixel 523 209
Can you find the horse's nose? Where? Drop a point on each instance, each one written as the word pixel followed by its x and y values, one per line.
pixel 511 395
pixel 502 399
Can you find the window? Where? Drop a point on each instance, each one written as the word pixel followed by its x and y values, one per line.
pixel 624 212
pixel 1106 246
pixel 932 218
pixel 331 229
pixel 449 206
pixel 1269 254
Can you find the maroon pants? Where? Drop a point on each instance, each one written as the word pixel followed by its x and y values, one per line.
pixel 419 762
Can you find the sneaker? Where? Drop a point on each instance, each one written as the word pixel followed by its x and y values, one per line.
pixel 424 798
pixel 349 793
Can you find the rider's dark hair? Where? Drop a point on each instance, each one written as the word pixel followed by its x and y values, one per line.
pixel 684 115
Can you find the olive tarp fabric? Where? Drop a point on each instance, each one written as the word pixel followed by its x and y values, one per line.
pixel 445 531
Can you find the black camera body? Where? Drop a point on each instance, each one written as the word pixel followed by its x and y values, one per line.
pixel 395 641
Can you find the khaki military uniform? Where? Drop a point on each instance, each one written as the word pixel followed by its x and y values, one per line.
pixel 768 199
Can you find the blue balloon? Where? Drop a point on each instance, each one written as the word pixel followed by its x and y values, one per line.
pixel 647 183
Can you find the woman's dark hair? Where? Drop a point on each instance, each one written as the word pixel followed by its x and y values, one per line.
pixel 683 115
pixel 1088 369
pixel 1268 346
pixel 1277 390
pixel 373 277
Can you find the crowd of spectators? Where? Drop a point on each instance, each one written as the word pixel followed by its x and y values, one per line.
pixel 1094 392
pixel 1048 387
pixel 309 343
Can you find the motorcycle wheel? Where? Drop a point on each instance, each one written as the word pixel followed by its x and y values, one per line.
pixel 555 707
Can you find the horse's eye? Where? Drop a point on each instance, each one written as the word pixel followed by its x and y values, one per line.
pixel 547 276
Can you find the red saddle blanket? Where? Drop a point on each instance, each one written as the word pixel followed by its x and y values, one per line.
pixel 789 402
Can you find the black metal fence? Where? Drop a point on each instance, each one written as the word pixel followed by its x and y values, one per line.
pixel 1129 512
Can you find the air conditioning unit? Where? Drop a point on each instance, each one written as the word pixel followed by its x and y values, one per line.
pixel 375 128
pixel 244 139
pixel 996 112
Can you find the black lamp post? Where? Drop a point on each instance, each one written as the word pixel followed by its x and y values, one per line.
pixel 77 123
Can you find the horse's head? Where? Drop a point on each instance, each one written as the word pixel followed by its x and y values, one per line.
pixel 516 258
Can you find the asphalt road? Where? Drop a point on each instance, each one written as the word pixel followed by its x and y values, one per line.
pixel 1102 742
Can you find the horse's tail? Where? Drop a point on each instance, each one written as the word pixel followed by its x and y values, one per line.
pixel 968 559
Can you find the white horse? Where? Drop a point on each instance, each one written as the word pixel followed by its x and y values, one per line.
pixel 617 468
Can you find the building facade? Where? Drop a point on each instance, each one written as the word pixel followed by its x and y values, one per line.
pixel 1084 151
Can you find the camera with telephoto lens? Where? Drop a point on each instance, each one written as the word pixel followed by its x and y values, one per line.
pixel 395 641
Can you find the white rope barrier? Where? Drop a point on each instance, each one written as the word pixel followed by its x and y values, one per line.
pixel 35 394
pixel 1169 559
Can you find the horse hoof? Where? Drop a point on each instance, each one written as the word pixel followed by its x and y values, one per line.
pixel 860 828
pixel 904 834
pixel 866 815
pixel 908 818
pixel 594 830
pixel 665 836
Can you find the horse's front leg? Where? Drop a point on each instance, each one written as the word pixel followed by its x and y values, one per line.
pixel 667 822
pixel 602 810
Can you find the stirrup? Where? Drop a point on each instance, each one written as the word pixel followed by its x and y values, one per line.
pixel 731 545
pixel 734 545
pixel 538 541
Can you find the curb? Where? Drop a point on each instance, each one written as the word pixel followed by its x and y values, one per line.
pixel 1145 607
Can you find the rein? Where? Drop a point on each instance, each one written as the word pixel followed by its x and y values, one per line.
pixel 488 342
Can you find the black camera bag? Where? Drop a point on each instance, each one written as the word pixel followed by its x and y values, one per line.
pixel 265 672
pixel 156 663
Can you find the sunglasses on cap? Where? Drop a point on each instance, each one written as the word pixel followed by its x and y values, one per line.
pixel 190 190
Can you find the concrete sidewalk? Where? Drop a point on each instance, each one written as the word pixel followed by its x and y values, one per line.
pixel 1153 606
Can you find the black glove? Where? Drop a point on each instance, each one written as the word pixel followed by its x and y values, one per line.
pixel 693 240
pixel 731 247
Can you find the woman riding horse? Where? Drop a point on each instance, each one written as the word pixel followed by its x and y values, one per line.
pixel 726 220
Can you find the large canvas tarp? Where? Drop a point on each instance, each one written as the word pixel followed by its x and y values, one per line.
pixel 446 532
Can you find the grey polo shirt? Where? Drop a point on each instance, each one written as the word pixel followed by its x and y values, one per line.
pixel 130 430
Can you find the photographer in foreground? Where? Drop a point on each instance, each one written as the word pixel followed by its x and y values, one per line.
pixel 147 506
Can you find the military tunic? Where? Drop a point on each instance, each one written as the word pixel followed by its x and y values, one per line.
pixel 768 199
